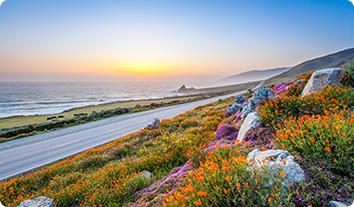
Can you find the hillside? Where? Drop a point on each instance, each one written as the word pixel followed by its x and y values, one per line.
pixel 254 75
pixel 272 147
pixel 218 89
pixel 337 59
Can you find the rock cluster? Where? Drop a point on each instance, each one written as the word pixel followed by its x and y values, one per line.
pixel 259 95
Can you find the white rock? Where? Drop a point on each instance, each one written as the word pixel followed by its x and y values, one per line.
pixel 275 160
pixel 339 204
pixel 38 202
pixel 1 205
pixel 322 78
pixel 250 122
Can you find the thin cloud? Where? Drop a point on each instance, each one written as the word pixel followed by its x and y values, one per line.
pixel 2 1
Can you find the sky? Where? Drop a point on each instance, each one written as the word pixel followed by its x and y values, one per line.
pixel 165 39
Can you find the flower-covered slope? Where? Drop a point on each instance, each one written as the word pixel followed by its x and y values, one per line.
pixel 271 147
pixel 302 151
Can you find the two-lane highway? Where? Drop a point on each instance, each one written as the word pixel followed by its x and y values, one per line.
pixel 25 154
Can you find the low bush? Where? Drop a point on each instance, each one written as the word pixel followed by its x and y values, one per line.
pixel 224 179
pixel 332 98
pixel 191 122
pixel 327 139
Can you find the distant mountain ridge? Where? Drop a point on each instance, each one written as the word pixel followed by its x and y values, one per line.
pixel 337 59
pixel 254 75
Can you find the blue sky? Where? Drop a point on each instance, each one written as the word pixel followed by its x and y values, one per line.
pixel 165 38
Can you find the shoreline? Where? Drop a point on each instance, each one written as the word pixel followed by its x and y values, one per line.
pixel 101 104
pixel 16 127
pixel 24 126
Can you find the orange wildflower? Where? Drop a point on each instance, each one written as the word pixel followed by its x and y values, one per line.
pixel 270 200
pixel 202 194
pixel 227 178
pixel 238 186
pixel 328 149
pixel 198 202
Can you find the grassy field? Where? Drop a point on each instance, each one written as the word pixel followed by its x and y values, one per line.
pixel 109 175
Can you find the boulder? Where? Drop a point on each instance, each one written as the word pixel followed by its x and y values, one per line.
pixel 250 122
pixel 274 161
pixel 153 124
pixel 226 131
pixel 1 204
pixel 322 78
pixel 340 204
pixel 38 202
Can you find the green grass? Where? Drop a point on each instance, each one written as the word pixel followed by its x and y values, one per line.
pixel 109 175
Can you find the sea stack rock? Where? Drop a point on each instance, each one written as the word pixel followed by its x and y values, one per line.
pixel 38 202
pixel 322 78
pixel 184 89
pixel 275 160
pixel 250 122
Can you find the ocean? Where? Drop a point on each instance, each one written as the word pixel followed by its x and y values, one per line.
pixel 31 98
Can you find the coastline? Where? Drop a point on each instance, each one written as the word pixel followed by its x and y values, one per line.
pixel 23 126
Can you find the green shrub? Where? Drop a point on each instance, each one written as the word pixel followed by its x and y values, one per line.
pixel 92 162
pixel 136 183
pixel 190 122
pixel 324 139
pixel 348 79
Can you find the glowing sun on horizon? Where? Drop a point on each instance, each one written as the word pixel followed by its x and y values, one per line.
pixel 139 68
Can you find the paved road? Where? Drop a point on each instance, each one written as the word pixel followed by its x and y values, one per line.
pixel 22 155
